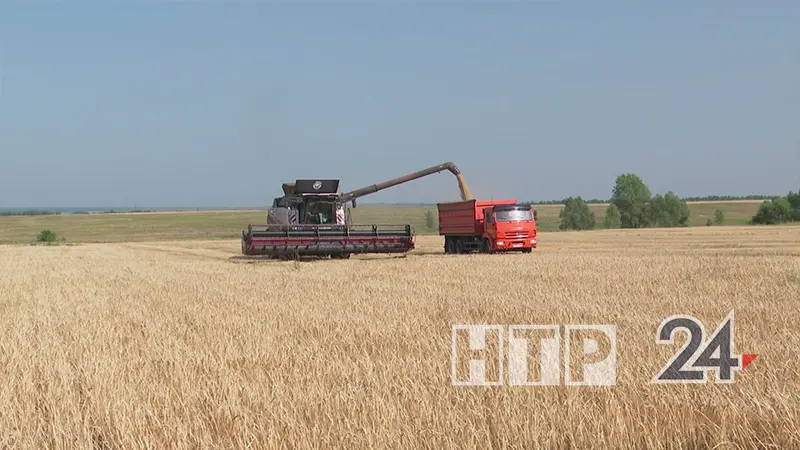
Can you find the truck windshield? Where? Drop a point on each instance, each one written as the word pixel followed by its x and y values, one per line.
pixel 513 215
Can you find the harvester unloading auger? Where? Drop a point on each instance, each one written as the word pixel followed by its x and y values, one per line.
pixel 312 219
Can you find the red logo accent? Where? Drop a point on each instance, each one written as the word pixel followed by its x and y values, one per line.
pixel 747 359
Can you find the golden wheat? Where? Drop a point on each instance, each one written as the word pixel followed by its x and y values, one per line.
pixel 165 345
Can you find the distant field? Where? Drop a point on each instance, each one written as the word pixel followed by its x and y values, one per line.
pixel 133 227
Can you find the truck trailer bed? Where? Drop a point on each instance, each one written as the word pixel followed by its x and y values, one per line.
pixel 465 218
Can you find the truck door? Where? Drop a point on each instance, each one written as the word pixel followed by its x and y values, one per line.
pixel 489 226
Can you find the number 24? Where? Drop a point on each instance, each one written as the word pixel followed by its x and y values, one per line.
pixel 698 351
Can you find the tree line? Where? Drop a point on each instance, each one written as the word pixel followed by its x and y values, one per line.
pixel 707 198
pixel 36 212
pixel 29 213
pixel 632 205
pixel 779 210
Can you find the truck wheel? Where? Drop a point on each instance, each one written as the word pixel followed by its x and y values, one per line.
pixel 527 250
pixel 449 246
pixel 487 247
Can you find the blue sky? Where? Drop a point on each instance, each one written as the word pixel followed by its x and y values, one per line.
pixel 211 103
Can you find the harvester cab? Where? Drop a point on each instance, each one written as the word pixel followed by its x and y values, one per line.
pixel 312 218
pixel 314 202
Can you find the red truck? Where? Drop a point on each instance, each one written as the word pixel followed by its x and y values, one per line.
pixel 487 226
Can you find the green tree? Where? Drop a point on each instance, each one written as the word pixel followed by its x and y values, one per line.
pixel 719 216
pixel 47 236
pixel 430 220
pixel 611 219
pixel 655 212
pixel 667 211
pixel 630 196
pixel 677 210
pixel 576 215
pixel 794 202
pixel 783 209
pixel 773 212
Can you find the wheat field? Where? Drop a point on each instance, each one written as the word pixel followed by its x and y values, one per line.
pixel 186 345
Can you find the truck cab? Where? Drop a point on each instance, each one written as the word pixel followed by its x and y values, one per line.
pixel 509 227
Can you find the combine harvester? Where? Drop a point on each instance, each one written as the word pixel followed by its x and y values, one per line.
pixel 312 219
